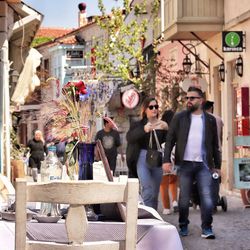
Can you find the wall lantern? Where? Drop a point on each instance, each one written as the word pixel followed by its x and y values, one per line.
pixel 187 64
pixel 187 49
pixel 221 71
pixel 239 66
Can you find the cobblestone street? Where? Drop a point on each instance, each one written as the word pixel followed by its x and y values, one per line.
pixel 232 228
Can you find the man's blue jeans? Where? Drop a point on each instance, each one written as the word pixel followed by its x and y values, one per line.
pixel 150 180
pixel 188 173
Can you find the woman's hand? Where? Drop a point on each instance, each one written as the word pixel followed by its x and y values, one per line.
pixel 148 127
pixel 167 167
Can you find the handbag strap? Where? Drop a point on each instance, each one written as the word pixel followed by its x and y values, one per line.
pixel 150 144
pixel 157 141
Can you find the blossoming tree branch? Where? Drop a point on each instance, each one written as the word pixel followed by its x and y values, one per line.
pixel 122 53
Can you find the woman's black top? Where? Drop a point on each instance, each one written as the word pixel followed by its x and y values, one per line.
pixel 138 139
pixel 136 134
pixel 37 149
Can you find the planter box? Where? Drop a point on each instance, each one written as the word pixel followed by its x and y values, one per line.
pixel 17 170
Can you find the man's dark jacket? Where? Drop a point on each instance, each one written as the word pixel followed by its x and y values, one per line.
pixel 178 135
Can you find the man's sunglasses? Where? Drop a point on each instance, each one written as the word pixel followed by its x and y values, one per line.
pixel 153 106
pixel 191 98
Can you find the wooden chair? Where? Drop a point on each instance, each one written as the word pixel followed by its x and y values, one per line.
pixel 77 194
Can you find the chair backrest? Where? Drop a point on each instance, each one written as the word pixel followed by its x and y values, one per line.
pixel 76 194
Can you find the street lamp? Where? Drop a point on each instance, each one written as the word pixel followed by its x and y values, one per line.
pixel 187 64
pixel 187 49
pixel 221 70
pixel 239 66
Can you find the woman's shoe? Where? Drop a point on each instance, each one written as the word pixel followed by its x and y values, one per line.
pixel 166 211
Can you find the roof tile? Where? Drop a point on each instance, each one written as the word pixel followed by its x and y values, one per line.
pixel 52 32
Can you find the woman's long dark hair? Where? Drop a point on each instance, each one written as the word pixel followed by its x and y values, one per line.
pixel 145 105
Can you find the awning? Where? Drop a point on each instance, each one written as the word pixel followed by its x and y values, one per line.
pixel 22 32
pixel 28 80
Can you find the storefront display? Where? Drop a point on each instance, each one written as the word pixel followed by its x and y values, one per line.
pixel 242 144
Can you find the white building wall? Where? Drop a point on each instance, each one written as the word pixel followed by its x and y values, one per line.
pixel 234 9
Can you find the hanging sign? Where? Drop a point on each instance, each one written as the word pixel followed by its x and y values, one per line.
pixel 232 41
pixel 130 98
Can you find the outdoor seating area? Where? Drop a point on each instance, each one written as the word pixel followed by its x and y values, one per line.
pixel 124 125
pixel 135 232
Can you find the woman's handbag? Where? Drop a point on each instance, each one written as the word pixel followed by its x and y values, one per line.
pixel 154 156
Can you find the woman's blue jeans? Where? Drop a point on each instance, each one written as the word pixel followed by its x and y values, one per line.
pixel 188 173
pixel 150 180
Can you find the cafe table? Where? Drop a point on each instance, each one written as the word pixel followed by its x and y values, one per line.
pixel 152 232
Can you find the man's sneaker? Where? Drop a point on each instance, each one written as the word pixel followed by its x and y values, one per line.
pixel 207 234
pixel 183 231
pixel 175 207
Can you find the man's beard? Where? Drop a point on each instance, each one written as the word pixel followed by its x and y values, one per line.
pixel 192 108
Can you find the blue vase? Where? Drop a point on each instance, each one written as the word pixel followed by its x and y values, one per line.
pixel 86 155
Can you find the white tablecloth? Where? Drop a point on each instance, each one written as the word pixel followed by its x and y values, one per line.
pixel 7 235
pixel 159 236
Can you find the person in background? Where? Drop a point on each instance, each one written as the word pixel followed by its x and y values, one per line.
pixel 38 150
pixel 193 132
pixel 132 154
pixel 60 150
pixel 168 187
pixel 139 135
pixel 208 106
pixel 111 142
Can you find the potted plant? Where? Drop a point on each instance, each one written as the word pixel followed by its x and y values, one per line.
pixel 73 120
pixel 17 157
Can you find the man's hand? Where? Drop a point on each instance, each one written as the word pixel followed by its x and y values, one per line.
pixel 216 170
pixel 167 167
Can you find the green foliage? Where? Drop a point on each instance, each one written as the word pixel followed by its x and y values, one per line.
pixel 39 40
pixel 17 150
pixel 121 53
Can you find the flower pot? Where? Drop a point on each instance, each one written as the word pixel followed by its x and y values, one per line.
pixel 86 155
pixel 17 170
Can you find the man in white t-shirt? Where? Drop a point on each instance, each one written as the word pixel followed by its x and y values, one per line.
pixel 194 134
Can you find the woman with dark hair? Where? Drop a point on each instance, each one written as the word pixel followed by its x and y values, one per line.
pixel 139 135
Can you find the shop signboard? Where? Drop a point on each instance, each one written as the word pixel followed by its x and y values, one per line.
pixel 242 173
pixel 74 54
pixel 232 41
pixel 130 98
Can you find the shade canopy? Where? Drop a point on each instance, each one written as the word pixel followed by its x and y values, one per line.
pixel 28 79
